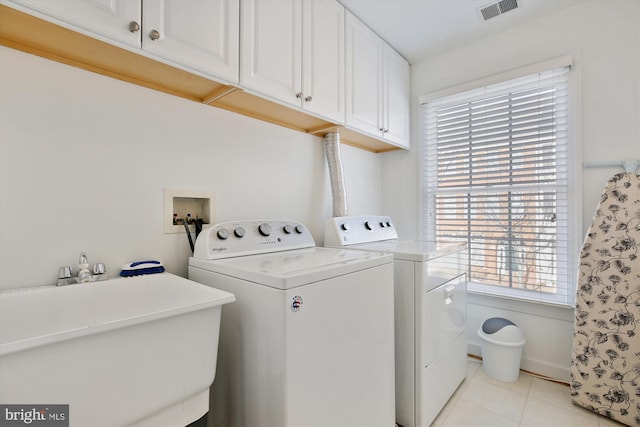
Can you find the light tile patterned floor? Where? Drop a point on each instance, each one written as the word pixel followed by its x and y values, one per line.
pixel 529 402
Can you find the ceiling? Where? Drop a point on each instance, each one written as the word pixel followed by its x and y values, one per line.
pixel 422 28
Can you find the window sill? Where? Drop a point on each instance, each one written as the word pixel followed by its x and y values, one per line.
pixel 518 300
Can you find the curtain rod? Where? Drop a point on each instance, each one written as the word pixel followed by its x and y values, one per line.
pixel 629 165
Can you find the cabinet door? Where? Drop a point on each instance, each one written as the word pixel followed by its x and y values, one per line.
pixel 107 19
pixel 200 34
pixel 364 80
pixel 271 49
pixel 396 94
pixel 323 65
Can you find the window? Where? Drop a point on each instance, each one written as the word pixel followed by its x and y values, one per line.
pixel 495 175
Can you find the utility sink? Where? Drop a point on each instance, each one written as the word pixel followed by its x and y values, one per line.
pixel 126 351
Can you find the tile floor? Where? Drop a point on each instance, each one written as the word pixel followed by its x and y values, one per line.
pixel 529 402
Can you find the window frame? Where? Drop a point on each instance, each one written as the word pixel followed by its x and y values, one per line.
pixel 571 244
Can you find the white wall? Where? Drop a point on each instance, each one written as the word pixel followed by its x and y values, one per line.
pixel 84 160
pixel 604 37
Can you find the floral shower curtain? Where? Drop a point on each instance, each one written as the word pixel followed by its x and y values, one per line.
pixel 605 366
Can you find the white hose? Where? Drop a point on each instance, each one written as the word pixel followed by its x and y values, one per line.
pixel 336 175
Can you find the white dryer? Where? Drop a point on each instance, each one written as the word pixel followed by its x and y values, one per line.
pixel 309 340
pixel 430 313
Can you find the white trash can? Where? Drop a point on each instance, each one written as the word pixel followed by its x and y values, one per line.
pixel 502 343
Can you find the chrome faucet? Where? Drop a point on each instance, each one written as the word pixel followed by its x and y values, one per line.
pixel 65 275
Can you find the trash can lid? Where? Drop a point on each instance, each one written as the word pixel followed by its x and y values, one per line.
pixel 493 325
pixel 501 331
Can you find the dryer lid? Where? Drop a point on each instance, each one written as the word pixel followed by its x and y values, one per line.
pixel 411 250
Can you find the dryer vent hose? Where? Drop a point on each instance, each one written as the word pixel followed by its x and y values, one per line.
pixel 336 175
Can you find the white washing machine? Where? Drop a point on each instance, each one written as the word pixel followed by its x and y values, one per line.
pixel 430 313
pixel 309 340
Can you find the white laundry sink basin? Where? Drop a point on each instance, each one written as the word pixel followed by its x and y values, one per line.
pixel 134 351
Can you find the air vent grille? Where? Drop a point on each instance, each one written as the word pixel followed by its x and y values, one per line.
pixel 490 11
pixel 494 9
pixel 507 5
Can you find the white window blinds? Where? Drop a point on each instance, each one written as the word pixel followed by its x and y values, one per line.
pixel 495 175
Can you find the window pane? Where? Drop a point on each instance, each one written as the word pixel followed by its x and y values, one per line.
pixel 511 236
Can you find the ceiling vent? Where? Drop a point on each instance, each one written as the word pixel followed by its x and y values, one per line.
pixel 494 9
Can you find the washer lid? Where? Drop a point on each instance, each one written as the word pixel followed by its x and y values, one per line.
pixel 411 250
pixel 290 269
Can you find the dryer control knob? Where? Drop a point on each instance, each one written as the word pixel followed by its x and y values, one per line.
pixel 299 229
pixel 288 229
pixel 367 225
pixel 344 227
pixel 223 234
pixel 264 229
pixel 239 232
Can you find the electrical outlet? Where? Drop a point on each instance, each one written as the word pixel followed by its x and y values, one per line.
pixel 199 204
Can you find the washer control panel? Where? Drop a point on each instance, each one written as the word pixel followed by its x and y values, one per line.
pixel 239 238
pixel 350 230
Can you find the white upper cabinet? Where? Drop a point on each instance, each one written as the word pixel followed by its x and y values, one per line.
pixel 107 19
pixel 364 77
pixel 293 52
pixel 313 57
pixel 271 52
pixel 323 66
pixel 202 35
pixel 378 85
pixel 396 92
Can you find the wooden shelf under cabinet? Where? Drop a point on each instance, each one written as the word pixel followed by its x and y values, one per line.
pixel 30 34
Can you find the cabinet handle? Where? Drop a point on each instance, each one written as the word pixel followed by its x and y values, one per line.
pixel 154 35
pixel 308 99
pixel 386 130
pixel 134 27
pixel 449 292
pixel 299 95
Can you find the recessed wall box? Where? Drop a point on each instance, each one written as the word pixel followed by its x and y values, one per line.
pixel 199 204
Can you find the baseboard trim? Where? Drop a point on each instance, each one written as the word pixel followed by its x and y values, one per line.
pixel 537 369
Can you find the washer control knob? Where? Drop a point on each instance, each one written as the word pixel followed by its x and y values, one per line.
pixel 264 229
pixel 344 227
pixel 223 234
pixel 239 232
pixel 368 226
pixel 382 224
pixel 299 229
pixel 288 229
pixel 389 224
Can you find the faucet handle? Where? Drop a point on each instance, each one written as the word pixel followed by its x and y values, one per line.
pixel 99 268
pixel 64 273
